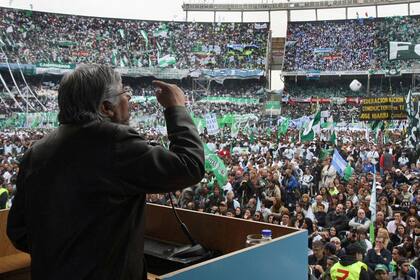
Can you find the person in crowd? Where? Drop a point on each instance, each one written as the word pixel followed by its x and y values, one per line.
pixel 363 240
pixel 4 195
pixel 95 163
pixel 318 260
pixel 383 232
pixel 360 221
pixel 386 161
pixel 381 272
pixel 285 219
pixel 413 227
pixel 402 272
pixel 351 265
pixel 398 237
pixel 337 219
pixel 340 251
pixel 384 207
pixel 380 220
pixel 392 225
pixel 397 253
pixel 291 186
pixel 378 255
pixel 321 216
pixel 331 260
pixel 350 210
pixel 328 173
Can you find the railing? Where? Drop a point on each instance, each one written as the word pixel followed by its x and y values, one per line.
pixel 350 72
pixel 289 5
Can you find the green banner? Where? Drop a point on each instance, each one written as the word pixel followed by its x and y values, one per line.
pixel 214 164
pixel 67 44
pixel 404 51
pixel 30 120
pixel 269 105
pixel 273 107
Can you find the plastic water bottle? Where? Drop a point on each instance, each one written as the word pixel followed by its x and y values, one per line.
pixel 266 234
pixel 254 239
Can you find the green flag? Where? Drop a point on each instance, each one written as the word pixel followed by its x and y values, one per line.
pixel 377 127
pixel 114 57
pixel 145 37
pixel 333 138
pixel 162 31
pixel 372 208
pixel 348 172
pixel 252 138
pixel 268 131
pixel 166 61
pixel 324 153
pixel 234 129
pixel 284 126
pixel 312 128
pixel 214 164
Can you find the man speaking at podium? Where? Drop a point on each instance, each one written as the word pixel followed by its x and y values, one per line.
pixel 79 207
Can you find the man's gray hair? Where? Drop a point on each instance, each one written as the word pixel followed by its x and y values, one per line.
pixel 82 92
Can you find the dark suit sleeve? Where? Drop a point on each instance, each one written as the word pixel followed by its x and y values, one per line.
pixel 16 221
pixel 153 169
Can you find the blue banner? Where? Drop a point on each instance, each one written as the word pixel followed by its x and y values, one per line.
pixel 233 73
pixel 15 66
pixel 313 74
pixel 323 50
pixel 240 47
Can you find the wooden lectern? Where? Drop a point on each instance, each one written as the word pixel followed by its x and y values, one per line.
pixel 285 257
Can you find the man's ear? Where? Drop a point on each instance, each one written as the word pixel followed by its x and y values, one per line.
pixel 107 109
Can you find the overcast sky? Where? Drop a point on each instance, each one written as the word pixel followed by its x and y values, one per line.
pixel 171 9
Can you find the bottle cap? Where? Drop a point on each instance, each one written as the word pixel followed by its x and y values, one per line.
pixel 266 232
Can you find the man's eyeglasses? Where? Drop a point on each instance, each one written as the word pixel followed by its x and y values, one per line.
pixel 126 90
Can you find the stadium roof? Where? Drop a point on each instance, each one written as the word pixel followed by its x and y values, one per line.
pixel 231 7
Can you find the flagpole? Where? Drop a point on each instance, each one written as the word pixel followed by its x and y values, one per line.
pixel 372 207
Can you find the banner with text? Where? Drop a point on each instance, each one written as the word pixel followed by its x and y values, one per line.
pixel 235 100
pixel 403 51
pixel 383 108
pixel 211 124
pixel 272 107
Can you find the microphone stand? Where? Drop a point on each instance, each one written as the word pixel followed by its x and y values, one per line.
pixel 195 249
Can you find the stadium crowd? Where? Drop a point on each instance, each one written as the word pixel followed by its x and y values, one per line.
pixel 399 29
pixel 359 44
pixel 36 37
pixel 285 182
pixel 46 93
pixel 276 179
pixel 272 176
pixel 343 45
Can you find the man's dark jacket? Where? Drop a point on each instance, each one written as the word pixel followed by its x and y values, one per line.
pixel 339 221
pixel 79 207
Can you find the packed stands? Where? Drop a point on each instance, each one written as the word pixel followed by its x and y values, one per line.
pixel 400 29
pixel 36 37
pixel 351 45
pixel 329 46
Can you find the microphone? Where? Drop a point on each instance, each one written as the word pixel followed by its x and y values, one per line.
pixel 195 249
